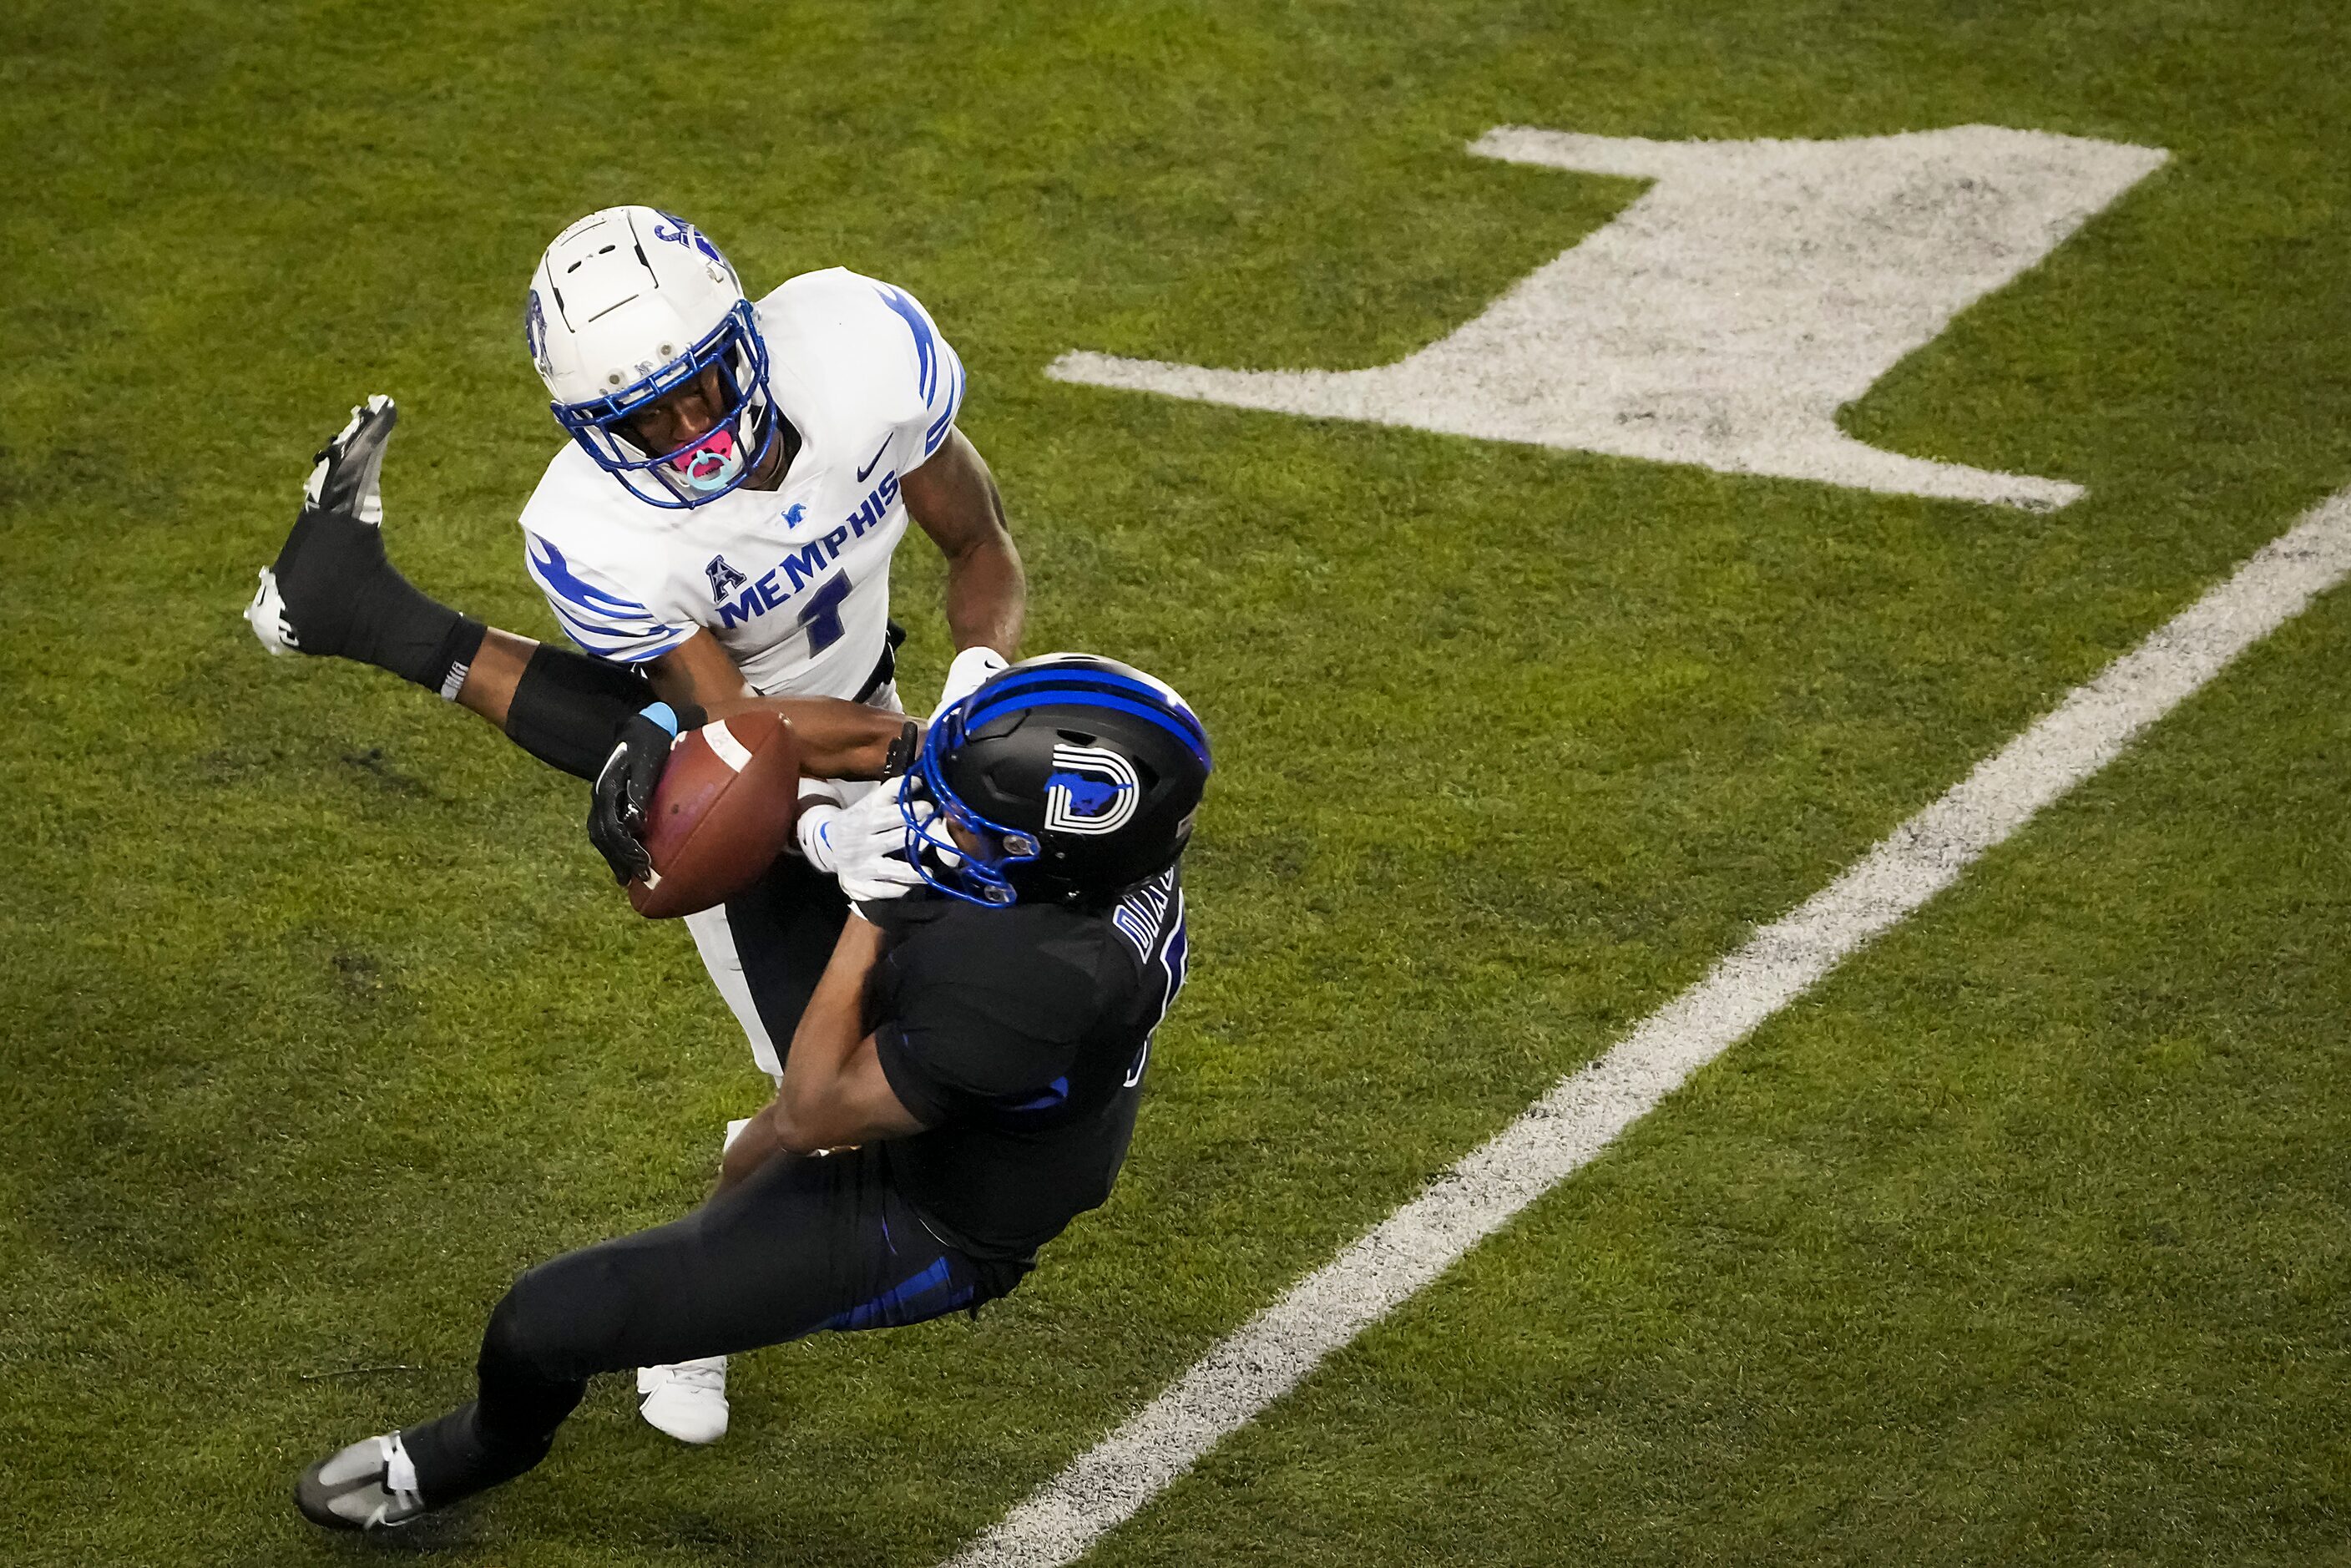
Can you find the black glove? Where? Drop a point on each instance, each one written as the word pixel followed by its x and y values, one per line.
pixel 625 786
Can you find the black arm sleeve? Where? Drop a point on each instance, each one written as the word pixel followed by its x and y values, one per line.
pixel 566 706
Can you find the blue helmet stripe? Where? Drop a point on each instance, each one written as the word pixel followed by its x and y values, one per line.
pixel 1159 715
pixel 1079 678
pixel 1084 674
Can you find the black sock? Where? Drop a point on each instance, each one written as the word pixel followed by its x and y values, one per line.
pixel 457 1455
pixel 343 596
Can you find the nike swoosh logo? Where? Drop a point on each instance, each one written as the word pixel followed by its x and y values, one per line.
pixel 869 468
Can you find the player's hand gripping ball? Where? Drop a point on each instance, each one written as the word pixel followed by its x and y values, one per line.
pixel 689 823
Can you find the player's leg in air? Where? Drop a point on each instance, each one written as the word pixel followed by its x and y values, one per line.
pixel 333 591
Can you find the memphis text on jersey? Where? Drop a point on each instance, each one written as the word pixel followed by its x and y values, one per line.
pixel 801 568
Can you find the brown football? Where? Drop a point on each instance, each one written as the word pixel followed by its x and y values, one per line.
pixel 722 813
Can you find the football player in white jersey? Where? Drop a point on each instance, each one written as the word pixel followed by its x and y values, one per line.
pixel 721 524
pixel 738 478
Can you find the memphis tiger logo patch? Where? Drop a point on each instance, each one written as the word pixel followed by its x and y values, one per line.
pixel 1091 791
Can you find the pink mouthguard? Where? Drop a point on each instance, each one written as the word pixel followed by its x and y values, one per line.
pixel 705 455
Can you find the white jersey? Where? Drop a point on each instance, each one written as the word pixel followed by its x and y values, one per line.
pixel 795 581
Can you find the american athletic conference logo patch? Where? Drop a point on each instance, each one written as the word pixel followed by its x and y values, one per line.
pixel 1091 791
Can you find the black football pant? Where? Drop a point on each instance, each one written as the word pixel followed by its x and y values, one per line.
pixel 802 1246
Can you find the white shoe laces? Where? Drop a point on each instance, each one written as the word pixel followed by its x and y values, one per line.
pixel 399 1472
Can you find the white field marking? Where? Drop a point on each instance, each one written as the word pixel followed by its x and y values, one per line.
pixel 1724 317
pixel 1572 1123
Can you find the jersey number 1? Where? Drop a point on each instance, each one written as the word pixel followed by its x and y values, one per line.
pixel 821 613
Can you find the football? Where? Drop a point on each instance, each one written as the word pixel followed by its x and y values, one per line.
pixel 722 811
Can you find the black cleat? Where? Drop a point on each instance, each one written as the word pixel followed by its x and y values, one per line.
pixel 371 1485
pixel 330 562
pixel 350 475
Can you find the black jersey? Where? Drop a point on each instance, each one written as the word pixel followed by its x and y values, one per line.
pixel 1021 1035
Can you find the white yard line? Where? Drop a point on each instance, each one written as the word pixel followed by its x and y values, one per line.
pixel 1570 1125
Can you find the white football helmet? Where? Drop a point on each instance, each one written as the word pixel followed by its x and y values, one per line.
pixel 627 305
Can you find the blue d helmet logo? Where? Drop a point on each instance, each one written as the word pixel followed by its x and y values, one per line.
pixel 1091 791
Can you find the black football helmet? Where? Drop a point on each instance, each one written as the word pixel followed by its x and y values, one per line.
pixel 1079 775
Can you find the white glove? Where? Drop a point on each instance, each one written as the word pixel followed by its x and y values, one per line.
pixel 862 847
pixel 972 667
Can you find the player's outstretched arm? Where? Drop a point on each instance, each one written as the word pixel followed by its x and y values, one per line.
pixel 838 738
pixel 954 498
pixel 333 591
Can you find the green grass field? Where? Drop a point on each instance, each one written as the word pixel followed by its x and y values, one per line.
pixel 2023 1238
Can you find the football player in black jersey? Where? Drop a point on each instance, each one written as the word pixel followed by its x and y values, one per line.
pixel 972 1060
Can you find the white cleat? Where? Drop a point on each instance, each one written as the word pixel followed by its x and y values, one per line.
pixel 371 1485
pixel 687 1400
